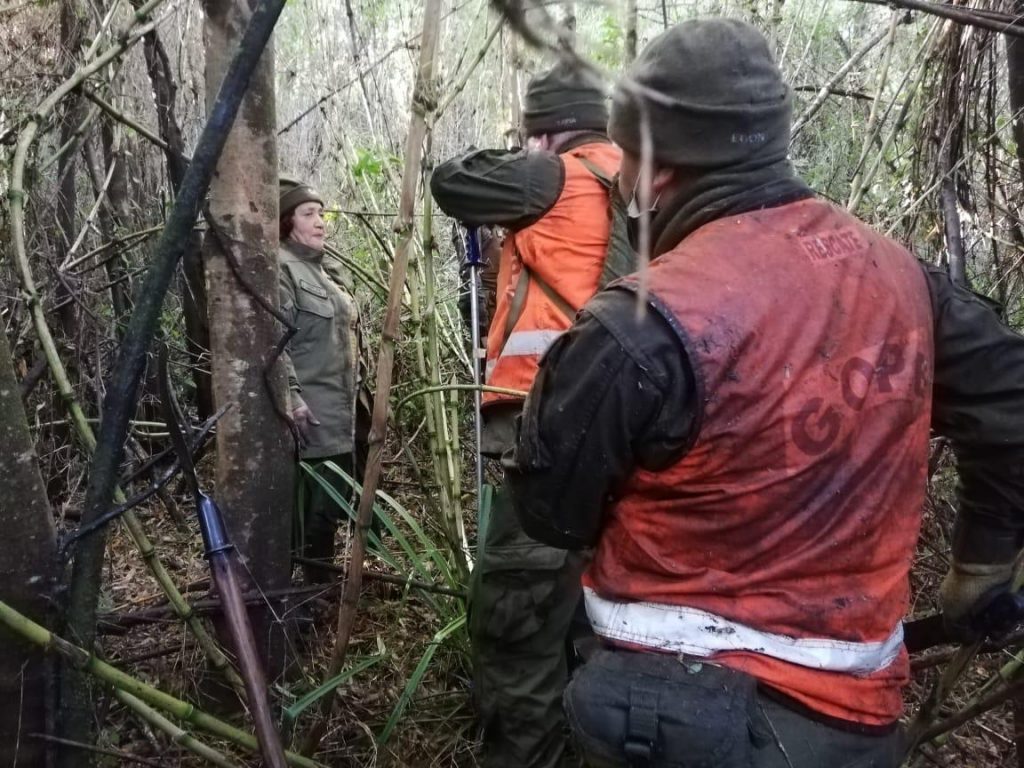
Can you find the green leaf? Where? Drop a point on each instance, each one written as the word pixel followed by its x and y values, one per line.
pixel 417 677
pixel 291 714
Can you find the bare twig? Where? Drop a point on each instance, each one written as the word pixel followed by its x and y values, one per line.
pixel 122 118
pixel 88 528
pixel 120 754
pixel 994 21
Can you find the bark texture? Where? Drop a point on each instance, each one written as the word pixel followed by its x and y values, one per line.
pixel 255 465
pixel 27 563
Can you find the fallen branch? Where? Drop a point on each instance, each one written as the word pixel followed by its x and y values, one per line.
pixel 120 754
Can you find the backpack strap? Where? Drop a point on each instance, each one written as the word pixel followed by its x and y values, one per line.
pixel 601 176
pixel 515 310
pixel 620 259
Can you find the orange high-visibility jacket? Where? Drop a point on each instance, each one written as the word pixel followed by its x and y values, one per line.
pixel 548 272
pixel 780 544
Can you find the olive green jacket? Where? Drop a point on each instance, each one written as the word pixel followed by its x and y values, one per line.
pixel 322 358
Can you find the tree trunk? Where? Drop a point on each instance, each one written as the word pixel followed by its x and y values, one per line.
pixel 630 36
pixel 27 570
pixel 191 281
pixel 1015 77
pixel 255 466
pixel 73 23
pixel 513 62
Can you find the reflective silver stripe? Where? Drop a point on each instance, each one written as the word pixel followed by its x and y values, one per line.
pixel 521 343
pixel 688 630
pixel 529 343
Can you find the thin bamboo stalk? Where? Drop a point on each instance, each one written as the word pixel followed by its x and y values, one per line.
pixel 120 117
pixel 871 129
pixel 418 286
pixel 819 99
pixel 422 104
pixel 459 387
pixel 460 86
pixel 16 195
pixel 448 465
pixel 178 735
pixel 121 681
pixel 922 56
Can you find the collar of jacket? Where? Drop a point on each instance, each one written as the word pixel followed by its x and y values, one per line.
pixel 590 137
pixel 301 251
pixel 719 192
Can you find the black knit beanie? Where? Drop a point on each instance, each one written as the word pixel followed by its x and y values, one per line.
pixel 713 93
pixel 293 195
pixel 565 98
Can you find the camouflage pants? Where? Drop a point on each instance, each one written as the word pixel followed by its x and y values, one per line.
pixel 522 601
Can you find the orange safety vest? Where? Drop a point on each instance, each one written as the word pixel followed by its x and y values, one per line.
pixel 549 270
pixel 781 543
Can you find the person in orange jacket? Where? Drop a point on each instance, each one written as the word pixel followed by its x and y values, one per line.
pixel 553 200
pixel 749 455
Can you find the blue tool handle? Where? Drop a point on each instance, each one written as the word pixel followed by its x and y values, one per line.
pixel 211 523
pixel 473 256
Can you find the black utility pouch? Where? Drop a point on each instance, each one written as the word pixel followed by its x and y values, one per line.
pixel 664 711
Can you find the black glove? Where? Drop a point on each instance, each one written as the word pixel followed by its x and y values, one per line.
pixel 968 592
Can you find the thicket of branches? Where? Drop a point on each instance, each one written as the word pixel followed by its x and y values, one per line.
pixel 906 116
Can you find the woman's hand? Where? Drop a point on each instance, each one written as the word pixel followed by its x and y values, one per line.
pixel 304 422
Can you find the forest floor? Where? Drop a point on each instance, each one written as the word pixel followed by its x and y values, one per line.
pixel 394 630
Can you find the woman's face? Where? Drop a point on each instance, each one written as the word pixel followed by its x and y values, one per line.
pixel 308 225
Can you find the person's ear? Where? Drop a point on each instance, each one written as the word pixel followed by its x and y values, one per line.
pixel 664 180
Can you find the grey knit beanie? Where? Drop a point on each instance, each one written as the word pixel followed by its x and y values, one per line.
pixel 714 97
pixel 294 194
pixel 565 98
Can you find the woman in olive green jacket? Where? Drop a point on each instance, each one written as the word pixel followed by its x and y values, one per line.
pixel 322 360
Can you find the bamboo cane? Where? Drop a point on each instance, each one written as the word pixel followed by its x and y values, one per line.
pixel 423 103
pixel 871 129
pixel 431 415
pixel 116 679
pixel 16 195
pixel 178 735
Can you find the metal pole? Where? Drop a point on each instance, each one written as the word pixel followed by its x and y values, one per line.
pixel 473 256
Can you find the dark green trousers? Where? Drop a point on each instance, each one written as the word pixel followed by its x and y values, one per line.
pixel 653 710
pixel 316 529
pixel 523 597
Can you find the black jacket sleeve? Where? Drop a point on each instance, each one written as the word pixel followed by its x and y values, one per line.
pixel 508 188
pixel 978 403
pixel 613 393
